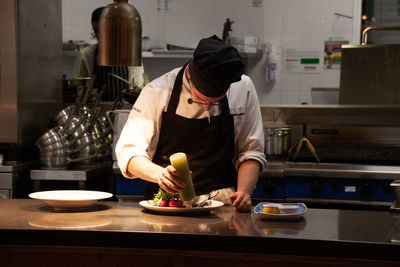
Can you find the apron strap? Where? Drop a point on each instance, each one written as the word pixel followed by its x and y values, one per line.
pixel 176 91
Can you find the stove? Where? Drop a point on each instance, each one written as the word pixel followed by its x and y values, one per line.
pixel 329 183
pixel 358 167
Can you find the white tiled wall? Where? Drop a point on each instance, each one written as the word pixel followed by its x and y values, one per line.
pixel 301 24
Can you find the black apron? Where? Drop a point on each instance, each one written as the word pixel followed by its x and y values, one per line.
pixel 209 147
pixel 102 77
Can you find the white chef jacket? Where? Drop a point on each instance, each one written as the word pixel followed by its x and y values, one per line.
pixel 140 135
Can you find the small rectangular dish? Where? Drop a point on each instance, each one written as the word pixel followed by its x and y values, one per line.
pixel 280 211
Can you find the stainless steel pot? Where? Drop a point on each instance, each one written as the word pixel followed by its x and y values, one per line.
pixel 62 116
pixel 277 140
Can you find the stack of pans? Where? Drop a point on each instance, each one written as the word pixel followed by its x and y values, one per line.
pixel 78 136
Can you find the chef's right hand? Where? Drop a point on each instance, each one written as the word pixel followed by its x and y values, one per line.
pixel 169 180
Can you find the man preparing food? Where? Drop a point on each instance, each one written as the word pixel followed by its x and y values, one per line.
pixel 207 109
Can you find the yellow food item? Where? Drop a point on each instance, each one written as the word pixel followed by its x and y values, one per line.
pixel 269 209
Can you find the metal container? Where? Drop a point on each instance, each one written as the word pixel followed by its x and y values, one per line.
pixel 369 72
pixel 277 140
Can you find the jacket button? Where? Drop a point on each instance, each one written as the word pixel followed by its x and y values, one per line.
pixel 165 158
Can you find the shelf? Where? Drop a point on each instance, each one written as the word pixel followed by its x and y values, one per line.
pixel 167 54
pixel 148 54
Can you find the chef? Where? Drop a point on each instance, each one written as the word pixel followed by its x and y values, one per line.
pixel 86 66
pixel 207 109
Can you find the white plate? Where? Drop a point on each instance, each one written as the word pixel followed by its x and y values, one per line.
pixel 214 205
pixel 70 199
pixel 290 213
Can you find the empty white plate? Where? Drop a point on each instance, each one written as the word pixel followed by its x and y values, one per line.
pixel 70 199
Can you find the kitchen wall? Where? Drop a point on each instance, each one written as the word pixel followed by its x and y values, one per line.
pixel 303 25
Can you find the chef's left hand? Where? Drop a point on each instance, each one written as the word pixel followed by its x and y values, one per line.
pixel 241 201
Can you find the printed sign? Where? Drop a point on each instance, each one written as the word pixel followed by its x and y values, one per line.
pixel 333 54
pixel 297 60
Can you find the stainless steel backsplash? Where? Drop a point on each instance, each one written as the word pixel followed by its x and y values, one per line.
pixel 30 68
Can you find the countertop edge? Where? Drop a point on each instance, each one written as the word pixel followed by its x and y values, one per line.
pixel 199 242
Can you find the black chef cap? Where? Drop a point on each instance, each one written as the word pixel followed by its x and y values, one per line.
pixel 214 66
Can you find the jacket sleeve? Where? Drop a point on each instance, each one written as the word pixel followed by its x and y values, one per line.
pixel 139 136
pixel 249 127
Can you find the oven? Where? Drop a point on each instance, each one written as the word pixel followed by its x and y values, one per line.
pixel 336 183
pixel 358 166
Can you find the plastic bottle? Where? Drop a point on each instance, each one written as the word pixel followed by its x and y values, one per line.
pixel 179 162
pixel 272 62
pixel 227 31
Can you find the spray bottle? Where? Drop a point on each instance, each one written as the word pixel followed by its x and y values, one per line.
pixel 226 34
pixel 272 61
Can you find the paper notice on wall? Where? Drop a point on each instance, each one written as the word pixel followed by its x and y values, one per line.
pixel 250 44
pixel 166 7
pixel 302 61
pixel 333 54
pixel 257 3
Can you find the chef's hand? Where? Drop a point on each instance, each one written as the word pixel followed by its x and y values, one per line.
pixel 241 201
pixel 169 180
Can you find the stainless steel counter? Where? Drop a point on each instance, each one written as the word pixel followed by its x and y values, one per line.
pixel 321 232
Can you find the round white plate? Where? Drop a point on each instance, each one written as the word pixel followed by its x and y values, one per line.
pixel 70 199
pixel 214 205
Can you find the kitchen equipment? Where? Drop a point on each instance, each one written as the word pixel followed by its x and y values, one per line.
pixel 376 28
pixel 396 204
pixel 277 139
pixel 126 189
pixel 369 72
pixel 30 89
pixel 71 87
pixel 304 140
pixel 76 141
pixel 14 178
pixel 120 35
pixel 133 93
pixel 357 169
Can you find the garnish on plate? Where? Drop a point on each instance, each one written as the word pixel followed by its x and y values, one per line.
pixel 165 199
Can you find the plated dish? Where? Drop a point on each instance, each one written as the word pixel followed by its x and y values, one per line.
pixel 213 205
pixel 286 211
pixel 70 199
